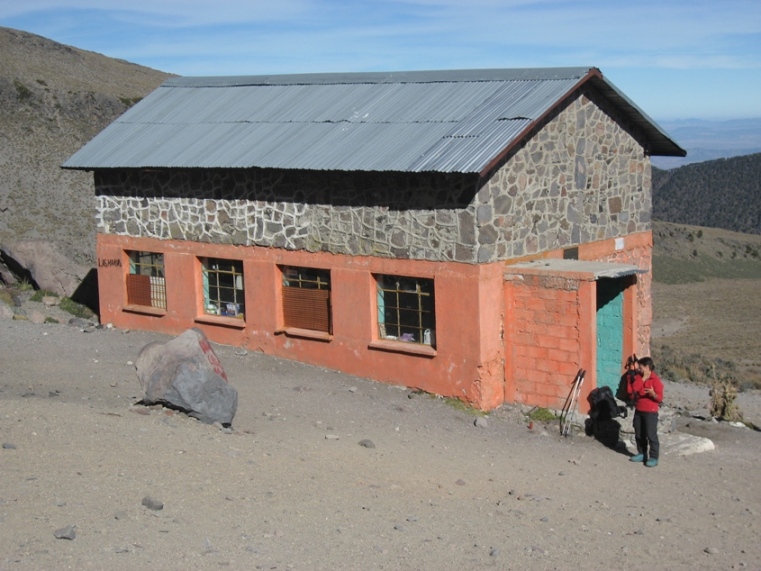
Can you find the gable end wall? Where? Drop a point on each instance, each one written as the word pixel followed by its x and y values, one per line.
pixel 582 178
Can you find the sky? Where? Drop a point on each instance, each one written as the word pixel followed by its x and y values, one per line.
pixel 676 59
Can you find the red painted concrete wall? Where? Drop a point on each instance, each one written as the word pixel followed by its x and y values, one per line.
pixel 467 360
pixel 501 336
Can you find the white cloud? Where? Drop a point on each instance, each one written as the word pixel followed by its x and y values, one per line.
pixel 200 37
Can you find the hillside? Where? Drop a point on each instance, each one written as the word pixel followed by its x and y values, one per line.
pixel 53 99
pixel 706 305
pixel 725 193
pixel 686 254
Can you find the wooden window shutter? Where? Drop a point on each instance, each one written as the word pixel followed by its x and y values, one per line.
pixel 138 290
pixel 307 308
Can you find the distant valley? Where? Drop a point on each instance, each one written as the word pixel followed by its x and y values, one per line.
pixel 709 140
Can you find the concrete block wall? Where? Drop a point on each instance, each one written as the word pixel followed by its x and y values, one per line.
pixel 547 343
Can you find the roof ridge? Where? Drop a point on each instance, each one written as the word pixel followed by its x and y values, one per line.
pixel 424 76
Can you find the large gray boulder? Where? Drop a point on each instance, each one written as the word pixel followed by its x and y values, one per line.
pixel 47 265
pixel 186 374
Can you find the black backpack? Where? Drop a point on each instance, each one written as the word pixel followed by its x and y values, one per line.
pixel 604 405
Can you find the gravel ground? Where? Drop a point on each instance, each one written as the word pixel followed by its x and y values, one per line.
pixel 326 471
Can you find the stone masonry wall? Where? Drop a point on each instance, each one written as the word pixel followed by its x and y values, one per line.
pixel 581 178
pixel 377 214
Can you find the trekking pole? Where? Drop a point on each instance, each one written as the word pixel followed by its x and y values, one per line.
pixel 567 404
pixel 565 421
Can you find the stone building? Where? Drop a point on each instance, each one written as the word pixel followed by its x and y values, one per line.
pixel 479 234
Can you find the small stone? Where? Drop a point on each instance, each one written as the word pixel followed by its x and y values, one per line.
pixel 68 532
pixel 9 446
pixel 367 443
pixel 36 317
pixel 711 550
pixel 494 552
pixel 121 514
pixel 352 389
pixel 152 504
pixel 460 482
pixel 480 422
pixel 331 437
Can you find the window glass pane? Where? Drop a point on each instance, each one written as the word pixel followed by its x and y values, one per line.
pixel 406 309
pixel 306 278
pixel 224 293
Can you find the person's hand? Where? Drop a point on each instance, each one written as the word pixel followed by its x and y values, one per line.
pixel 650 391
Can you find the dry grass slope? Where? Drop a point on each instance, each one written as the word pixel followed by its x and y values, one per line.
pixel 53 99
pixel 707 287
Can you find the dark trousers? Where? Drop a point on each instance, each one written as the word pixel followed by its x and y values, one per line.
pixel 646 432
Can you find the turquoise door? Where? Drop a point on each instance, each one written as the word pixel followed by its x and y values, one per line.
pixel 610 332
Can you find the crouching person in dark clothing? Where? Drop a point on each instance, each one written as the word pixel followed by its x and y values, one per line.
pixel 646 390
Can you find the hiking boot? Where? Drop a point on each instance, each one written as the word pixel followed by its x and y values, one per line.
pixel 652 463
pixel 637 458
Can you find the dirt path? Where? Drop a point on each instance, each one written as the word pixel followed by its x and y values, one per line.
pixel 292 487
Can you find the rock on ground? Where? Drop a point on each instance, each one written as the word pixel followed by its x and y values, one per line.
pixel 186 374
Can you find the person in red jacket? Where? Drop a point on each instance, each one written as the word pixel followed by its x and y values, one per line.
pixel 646 390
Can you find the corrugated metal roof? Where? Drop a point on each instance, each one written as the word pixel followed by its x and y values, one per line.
pixel 442 121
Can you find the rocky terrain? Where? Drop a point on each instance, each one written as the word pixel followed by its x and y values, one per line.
pixel 322 470
pixel 53 99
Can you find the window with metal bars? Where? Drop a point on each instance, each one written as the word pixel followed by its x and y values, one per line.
pixel 406 309
pixel 146 285
pixel 223 292
pixel 306 298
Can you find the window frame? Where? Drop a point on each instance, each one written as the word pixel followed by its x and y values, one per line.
pixel 236 288
pixel 421 332
pixel 145 282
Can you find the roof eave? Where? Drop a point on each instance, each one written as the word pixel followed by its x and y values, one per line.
pixel 658 142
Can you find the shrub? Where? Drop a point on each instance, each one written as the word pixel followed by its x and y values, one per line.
pixel 40 293
pixel 723 395
pixel 6 296
pixel 76 309
pixel 542 414
pixel 22 90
